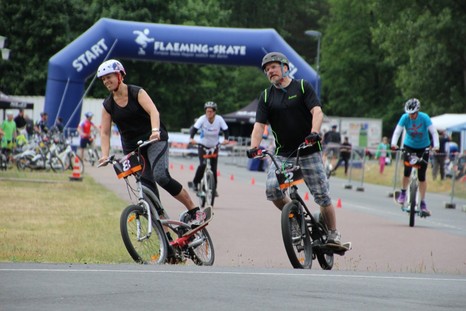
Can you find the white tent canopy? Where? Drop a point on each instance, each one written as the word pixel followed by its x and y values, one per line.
pixel 452 122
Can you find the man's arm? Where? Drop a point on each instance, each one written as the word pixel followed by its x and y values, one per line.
pixel 317 119
pixel 256 135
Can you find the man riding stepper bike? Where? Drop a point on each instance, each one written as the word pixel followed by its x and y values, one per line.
pixel 210 124
pixel 295 114
pixel 417 125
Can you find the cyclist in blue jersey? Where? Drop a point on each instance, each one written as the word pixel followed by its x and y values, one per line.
pixel 417 125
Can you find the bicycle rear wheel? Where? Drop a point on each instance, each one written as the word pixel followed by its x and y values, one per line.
pixel 202 252
pixel 412 203
pixel 296 238
pixel 143 248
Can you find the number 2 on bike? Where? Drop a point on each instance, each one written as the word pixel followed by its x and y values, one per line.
pixel 304 234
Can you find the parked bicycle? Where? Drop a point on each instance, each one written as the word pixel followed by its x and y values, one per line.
pixel 207 187
pixel 39 155
pixel 149 235
pixel 413 197
pixel 304 234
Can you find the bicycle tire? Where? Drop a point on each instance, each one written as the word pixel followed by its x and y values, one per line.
pixel 298 246
pixel 325 259
pixel 413 188
pixel 210 188
pixel 56 164
pixel 151 250
pixel 202 254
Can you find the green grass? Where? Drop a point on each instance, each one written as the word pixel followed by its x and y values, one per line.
pixel 58 220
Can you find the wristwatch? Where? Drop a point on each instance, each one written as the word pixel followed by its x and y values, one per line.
pixel 155 129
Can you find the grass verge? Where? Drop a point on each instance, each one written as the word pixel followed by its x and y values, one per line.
pixel 57 220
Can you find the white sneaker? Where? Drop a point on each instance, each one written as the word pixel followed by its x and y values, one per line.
pixel 334 237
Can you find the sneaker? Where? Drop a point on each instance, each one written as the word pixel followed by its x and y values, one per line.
pixel 197 219
pixel 424 211
pixel 334 237
pixel 401 198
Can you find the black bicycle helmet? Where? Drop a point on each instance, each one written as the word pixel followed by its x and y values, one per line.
pixel 274 57
pixel 210 105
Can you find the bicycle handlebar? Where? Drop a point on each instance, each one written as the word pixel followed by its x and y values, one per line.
pixel 140 143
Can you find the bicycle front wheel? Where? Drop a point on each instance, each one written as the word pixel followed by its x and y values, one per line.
pixel 296 236
pixel 210 188
pixel 143 247
pixel 412 203
pixel 55 164
pixel 202 252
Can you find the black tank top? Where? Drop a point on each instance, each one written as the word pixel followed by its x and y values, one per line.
pixel 133 121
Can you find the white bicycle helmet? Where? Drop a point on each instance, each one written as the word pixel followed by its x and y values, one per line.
pixel 210 105
pixel 412 105
pixel 89 114
pixel 274 57
pixel 110 66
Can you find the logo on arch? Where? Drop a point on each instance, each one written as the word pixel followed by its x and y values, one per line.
pixel 142 39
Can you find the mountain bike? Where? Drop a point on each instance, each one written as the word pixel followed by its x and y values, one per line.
pixel 412 204
pixel 148 233
pixel 304 234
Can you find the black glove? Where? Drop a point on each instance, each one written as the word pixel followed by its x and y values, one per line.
pixel 312 138
pixel 252 153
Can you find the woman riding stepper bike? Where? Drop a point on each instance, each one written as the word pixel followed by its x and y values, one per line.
pixel 137 118
pixel 150 236
pixel 417 125
pixel 210 124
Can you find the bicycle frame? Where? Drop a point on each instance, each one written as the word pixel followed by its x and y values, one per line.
pixel 207 184
pixel 292 187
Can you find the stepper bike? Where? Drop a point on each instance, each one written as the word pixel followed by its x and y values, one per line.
pixel 412 204
pixel 149 235
pixel 207 186
pixel 304 234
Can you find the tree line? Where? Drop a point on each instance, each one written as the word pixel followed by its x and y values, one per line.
pixel 374 54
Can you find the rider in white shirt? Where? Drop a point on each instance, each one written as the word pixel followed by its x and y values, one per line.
pixel 210 126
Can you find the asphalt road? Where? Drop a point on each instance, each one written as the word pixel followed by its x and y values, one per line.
pixel 134 287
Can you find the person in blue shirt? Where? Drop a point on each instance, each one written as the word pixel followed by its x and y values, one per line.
pixel 417 125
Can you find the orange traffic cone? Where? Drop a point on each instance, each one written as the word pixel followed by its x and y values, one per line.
pixel 191 167
pixel 232 177
pixel 76 176
pixel 306 196
pixel 218 173
pixel 181 167
pixel 339 203
pixel 171 166
pixel 253 181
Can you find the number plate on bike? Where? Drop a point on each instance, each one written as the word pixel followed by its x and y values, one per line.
pixel 128 165
pixel 289 177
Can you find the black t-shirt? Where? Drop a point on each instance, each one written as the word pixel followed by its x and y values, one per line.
pixel 133 121
pixel 288 112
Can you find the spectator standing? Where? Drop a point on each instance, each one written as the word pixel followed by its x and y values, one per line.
pixel 41 126
pixel 9 135
pixel 383 153
pixel 345 155
pixel 440 156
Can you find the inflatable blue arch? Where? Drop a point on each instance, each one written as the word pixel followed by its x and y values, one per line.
pixel 108 38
